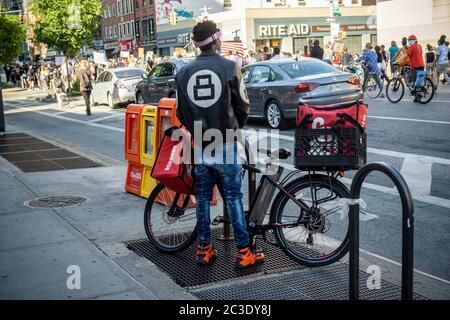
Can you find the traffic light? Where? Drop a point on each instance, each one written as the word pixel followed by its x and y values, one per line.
pixel 21 19
pixel 173 18
pixel 342 35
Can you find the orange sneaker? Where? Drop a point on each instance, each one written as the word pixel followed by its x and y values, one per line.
pixel 205 254
pixel 247 257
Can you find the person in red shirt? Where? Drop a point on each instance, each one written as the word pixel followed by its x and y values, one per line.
pixel 415 57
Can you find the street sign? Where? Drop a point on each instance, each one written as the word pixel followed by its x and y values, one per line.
pixel 328 20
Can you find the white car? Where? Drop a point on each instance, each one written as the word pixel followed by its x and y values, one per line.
pixel 115 86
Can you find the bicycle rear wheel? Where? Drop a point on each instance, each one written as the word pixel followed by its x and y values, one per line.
pixel 395 90
pixel 426 93
pixel 371 88
pixel 170 220
pixel 318 238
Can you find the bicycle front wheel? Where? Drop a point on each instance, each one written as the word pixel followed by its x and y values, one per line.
pixel 426 93
pixel 170 220
pixel 395 90
pixel 317 236
pixel 371 89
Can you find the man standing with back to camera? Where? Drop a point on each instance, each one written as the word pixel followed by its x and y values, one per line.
pixel 211 94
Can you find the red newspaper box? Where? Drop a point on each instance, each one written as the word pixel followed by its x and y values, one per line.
pixel 133 182
pixel 133 133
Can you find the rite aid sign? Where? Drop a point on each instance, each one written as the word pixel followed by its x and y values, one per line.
pixel 284 30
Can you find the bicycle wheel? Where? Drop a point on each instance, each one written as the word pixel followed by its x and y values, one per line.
pixel 395 90
pixel 371 88
pixel 170 220
pixel 313 239
pixel 426 93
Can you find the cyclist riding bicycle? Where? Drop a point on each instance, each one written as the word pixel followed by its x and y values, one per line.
pixel 369 56
pixel 415 55
pixel 212 95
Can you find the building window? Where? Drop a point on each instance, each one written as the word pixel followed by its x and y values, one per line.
pixel 106 33
pixel 123 7
pixel 131 5
pixel 144 28
pixel 137 4
pixel 144 3
pixel 301 2
pixel 119 8
pixel 115 31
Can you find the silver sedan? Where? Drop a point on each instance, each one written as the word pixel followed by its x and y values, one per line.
pixel 276 88
pixel 115 86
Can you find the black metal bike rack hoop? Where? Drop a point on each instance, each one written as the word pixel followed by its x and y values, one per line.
pixel 407 228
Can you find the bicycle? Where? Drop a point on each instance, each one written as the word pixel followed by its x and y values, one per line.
pixel 303 211
pixel 369 86
pixel 395 88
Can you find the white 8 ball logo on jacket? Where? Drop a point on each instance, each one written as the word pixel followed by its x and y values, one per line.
pixel 204 88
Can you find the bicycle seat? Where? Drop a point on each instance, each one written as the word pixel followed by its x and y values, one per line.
pixel 281 153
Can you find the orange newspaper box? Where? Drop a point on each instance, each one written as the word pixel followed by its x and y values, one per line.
pixel 133 133
pixel 133 181
pixel 167 117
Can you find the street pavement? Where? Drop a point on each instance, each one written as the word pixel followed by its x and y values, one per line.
pixel 413 138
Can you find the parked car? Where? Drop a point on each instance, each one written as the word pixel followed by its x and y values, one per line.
pixel 160 82
pixel 276 88
pixel 115 86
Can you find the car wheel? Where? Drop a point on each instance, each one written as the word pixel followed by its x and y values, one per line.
pixel 140 98
pixel 274 116
pixel 111 103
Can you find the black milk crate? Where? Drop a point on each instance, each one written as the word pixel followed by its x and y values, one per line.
pixel 330 149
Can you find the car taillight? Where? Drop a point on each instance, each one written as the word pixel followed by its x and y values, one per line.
pixel 306 87
pixel 354 80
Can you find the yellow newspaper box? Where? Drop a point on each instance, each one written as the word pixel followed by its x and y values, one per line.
pixel 148 183
pixel 148 135
pixel 148 148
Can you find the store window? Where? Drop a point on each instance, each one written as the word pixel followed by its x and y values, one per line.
pixel 275 43
pixel 373 39
pixel 353 44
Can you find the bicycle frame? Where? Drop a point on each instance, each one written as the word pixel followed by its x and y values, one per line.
pixel 262 198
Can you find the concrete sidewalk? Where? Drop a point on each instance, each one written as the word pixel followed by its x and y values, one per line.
pixel 38 245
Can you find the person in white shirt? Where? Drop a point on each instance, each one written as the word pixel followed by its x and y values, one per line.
pixel 250 57
pixel 328 54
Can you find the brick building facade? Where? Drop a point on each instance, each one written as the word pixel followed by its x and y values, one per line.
pixel 128 25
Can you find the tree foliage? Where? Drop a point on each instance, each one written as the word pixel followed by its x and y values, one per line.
pixel 11 38
pixel 66 25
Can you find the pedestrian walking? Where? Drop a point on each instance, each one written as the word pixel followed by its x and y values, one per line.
pixel 316 51
pixel 84 75
pixel 250 59
pixel 328 54
pixel 276 54
pixel 441 61
pixel 347 58
pixel 429 63
pixel 381 62
pixel 393 49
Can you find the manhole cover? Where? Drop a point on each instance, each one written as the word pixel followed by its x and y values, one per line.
pixel 56 202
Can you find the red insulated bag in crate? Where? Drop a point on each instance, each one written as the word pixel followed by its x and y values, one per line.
pixel 331 137
pixel 171 167
pixel 317 117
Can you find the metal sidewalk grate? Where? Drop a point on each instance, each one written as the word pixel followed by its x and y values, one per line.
pixel 327 283
pixel 183 269
pixel 30 154
pixel 56 202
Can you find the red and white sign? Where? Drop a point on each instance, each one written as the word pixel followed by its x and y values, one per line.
pixel 126 45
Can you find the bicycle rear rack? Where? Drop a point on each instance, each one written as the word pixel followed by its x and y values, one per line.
pixel 407 228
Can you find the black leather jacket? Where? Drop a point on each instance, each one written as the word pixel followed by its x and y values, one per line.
pixel 210 90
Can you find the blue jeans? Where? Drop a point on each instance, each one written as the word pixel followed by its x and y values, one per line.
pixel 228 178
